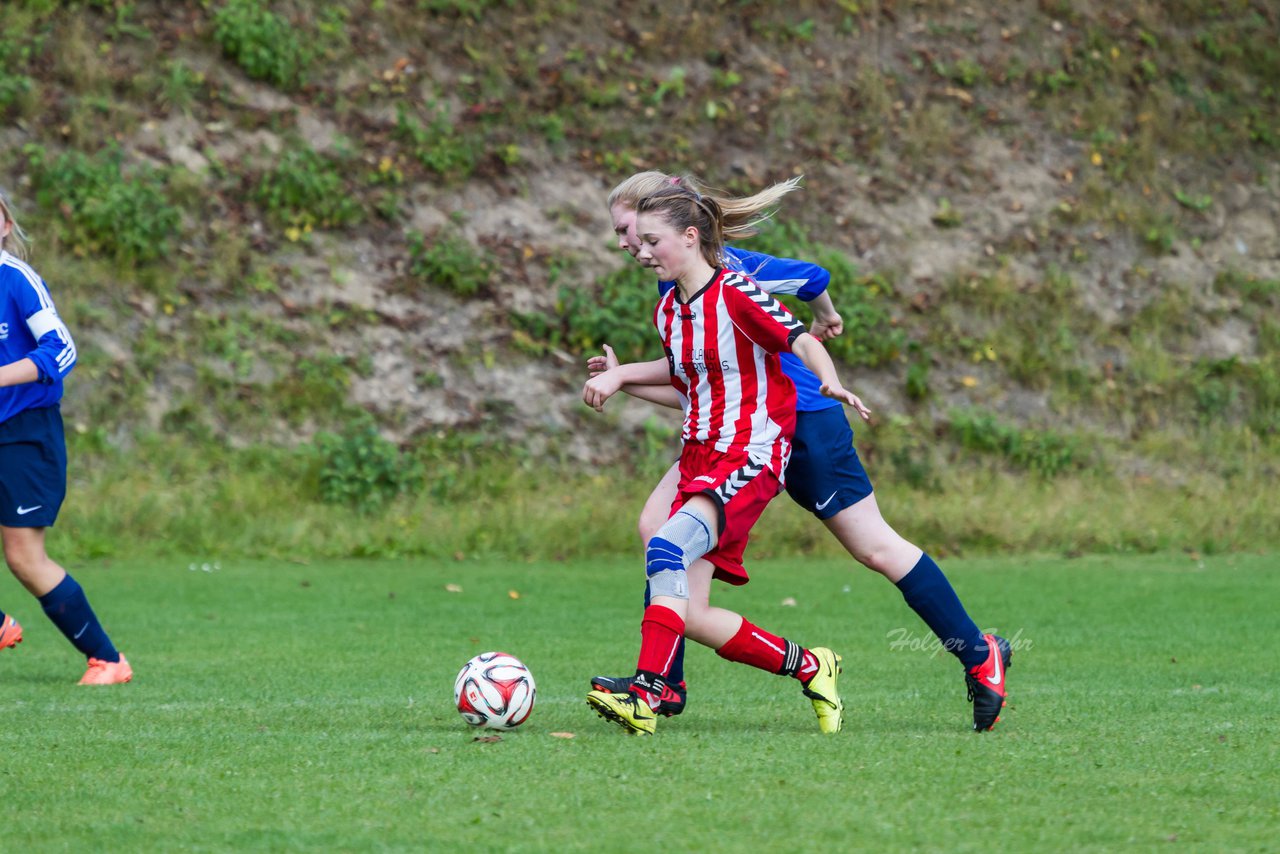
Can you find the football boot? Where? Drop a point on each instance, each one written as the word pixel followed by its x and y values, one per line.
pixel 627 710
pixel 107 672
pixel 670 703
pixel 986 683
pixel 821 690
pixel 10 632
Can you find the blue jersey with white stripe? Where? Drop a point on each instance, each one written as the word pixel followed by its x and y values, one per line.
pixel 783 276
pixel 31 329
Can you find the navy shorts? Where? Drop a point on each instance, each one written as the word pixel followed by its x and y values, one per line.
pixel 33 468
pixel 825 475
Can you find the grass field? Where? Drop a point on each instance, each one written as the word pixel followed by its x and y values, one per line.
pixel 282 706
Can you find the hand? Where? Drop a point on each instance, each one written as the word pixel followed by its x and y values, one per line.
pixel 600 388
pixel 826 327
pixel 847 397
pixel 597 365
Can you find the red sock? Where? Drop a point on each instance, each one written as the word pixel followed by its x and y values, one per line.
pixel 753 645
pixel 661 631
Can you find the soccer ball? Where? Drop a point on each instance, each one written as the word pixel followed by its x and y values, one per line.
pixel 494 690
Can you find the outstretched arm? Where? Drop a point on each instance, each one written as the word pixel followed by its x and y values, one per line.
pixel 649 381
pixel 814 355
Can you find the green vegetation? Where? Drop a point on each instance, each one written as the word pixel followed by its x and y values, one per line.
pixel 363 470
pixel 452 492
pixel 435 144
pixel 128 218
pixel 306 190
pixel 266 45
pixel 448 260
pixel 295 705
pixel 202 182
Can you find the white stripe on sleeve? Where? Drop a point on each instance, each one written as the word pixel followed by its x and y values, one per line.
pixel 45 321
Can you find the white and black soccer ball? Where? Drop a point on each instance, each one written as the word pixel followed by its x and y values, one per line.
pixel 494 690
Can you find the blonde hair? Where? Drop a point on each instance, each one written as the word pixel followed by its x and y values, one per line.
pixel 739 217
pixel 17 243
pixel 683 208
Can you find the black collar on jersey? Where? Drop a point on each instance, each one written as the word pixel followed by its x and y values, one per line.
pixel 715 274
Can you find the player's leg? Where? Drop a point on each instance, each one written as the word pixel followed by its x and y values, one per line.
pixel 827 478
pixel 733 637
pixel 657 509
pixel 64 603
pixel 862 530
pixel 33 460
pixel 690 533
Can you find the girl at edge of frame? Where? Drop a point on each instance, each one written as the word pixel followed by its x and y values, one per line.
pixel 722 336
pixel 36 354
pixel 825 475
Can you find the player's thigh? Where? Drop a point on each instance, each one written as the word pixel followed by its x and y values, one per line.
pixel 657 507
pixel 872 541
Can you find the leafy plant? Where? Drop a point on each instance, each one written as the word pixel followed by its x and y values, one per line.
pixel 363 470
pixel 618 313
pixel 307 190
pixel 473 9
pixel 177 88
pixel 448 260
pixel 125 214
pixel 265 45
pixel 1041 451
pixel 436 144
pixel 15 84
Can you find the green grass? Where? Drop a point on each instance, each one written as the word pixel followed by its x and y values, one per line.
pixel 292 706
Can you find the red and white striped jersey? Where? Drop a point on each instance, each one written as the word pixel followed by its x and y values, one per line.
pixel 722 348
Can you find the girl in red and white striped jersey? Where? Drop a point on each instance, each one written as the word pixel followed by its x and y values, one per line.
pixel 723 336
pixel 825 476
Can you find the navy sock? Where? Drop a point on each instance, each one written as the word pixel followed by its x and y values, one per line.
pixel 931 596
pixel 69 610
pixel 676 674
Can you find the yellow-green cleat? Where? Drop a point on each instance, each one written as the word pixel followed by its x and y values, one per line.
pixel 626 710
pixel 821 689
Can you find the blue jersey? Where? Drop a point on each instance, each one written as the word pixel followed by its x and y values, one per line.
pixel 783 276
pixel 31 329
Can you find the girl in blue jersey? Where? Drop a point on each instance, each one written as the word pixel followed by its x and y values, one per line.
pixel 36 353
pixel 825 475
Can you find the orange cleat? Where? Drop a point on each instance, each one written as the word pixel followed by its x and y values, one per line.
pixel 107 672
pixel 10 632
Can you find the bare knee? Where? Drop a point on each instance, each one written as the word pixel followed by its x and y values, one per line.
pixel 22 554
pixel 882 558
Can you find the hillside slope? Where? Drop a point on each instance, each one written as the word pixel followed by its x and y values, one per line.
pixel 1055 226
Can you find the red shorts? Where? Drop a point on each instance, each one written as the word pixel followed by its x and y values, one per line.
pixel 739 487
